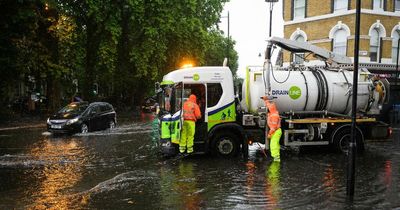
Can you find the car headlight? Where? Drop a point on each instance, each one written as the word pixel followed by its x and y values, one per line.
pixel 71 121
pixel 48 121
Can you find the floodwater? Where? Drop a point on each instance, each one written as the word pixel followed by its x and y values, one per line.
pixel 121 169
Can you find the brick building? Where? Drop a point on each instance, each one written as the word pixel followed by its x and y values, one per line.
pixel 331 24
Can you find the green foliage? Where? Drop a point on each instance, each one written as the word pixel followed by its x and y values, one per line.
pixel 219 48
pixel 124 46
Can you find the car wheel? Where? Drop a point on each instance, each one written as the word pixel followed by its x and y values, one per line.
pixel 111 125
pixel 84 128
pixel 226 145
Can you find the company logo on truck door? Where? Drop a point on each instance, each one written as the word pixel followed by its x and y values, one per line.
pixel 195 77
pixel 294 92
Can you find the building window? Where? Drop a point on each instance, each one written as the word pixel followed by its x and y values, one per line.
pixel 374 44
pixel 378 4
pixel 340 42
pixel 299 9
pixel 298 58
pixel 397 5
pixel 395 41
pixel 340 5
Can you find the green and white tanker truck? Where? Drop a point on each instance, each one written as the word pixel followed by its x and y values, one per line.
pixel 314 103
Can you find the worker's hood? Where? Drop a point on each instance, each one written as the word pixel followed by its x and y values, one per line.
pixel 192 98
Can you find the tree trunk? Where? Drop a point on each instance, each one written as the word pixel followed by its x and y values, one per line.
pixel 123 64
pixel 53 94
pixel 92 46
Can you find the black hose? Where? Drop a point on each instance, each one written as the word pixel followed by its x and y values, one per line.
pixel 326 90
pixel 268 54
pixel 273 76
pixel 348 98
pixel 323 87
pixel 319 90
pixel 305 80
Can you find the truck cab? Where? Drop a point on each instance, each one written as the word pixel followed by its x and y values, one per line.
pixel 217 131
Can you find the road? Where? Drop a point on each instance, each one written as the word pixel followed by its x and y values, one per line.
pixel 121 169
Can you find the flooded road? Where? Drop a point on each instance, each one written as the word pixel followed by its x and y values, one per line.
pixel 121 169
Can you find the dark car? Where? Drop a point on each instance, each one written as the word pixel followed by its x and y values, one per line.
pixel 82 117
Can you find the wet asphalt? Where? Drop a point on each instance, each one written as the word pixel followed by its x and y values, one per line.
pixel 122 169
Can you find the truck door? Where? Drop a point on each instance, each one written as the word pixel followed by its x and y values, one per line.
pixel 176 112
pixel 200 136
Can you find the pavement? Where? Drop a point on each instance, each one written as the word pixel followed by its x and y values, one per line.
pixel 25 122
pixel 40 125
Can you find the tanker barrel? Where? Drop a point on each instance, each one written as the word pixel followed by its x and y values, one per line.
pixel 309 90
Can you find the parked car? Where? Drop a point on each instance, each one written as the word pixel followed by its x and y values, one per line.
pixel 82 117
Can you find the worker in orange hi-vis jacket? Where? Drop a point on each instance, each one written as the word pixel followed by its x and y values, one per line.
pixel 274 125
pixel 191 113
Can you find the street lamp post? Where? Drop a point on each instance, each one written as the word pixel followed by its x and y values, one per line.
pixel 228 41
pixel 397 61
pixel 352 143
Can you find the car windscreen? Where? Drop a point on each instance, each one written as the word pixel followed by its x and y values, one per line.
pixel 73 109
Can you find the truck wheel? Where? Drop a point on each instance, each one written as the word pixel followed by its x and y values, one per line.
pixel 342 136
pixel 225 145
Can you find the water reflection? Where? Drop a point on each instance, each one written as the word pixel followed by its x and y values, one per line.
pixel 186 186
pixel 388 173
pixel 273 188
pixel 62 171
pixel 179 186
pixel 329 181
pixel 250 167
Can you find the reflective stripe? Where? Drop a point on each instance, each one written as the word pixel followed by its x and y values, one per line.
pixel 165 130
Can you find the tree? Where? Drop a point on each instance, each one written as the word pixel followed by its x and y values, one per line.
pixel 120 46
pixel 32 47
pixel 218 46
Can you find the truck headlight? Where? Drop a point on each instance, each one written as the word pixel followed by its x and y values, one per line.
pixel 71 121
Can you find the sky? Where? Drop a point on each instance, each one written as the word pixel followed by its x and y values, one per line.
pixel 249 25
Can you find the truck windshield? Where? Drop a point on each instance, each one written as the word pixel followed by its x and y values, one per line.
pixel 176 98
pixel 171 99
pixel 164 98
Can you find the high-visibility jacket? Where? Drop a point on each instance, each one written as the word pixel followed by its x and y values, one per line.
pixel 191 110
pixel 274 120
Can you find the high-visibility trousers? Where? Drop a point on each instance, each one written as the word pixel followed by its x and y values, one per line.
pixel 187 137
pixel 274 145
